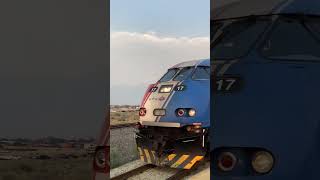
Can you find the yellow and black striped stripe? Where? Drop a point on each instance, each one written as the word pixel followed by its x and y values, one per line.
pixel 148 155
pixel 183 161
pixel 180 161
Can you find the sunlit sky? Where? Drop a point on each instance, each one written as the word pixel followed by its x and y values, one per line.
pixel 147 37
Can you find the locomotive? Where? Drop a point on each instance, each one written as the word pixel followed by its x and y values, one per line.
pixel 265 87
pixel 174 124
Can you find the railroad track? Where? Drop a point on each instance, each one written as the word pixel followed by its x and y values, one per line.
pixel 179 174
pixel 119 126
pixel 133 172
pixel 186 172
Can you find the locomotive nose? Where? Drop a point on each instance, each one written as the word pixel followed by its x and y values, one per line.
pixel 155 101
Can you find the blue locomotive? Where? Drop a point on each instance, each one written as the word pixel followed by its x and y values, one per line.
pixel 174 117
pixel 265 90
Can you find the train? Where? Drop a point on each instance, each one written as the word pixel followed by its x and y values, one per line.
pixel 174 124
pixel 265 59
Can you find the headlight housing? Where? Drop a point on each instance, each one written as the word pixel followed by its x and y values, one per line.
pixel 165 89
pixel 100 158
pixel 262 162
pixel 180 112
pixel 226 161
pixel 192 112
pixel 142 111
pixel 185 112
pixel 159 112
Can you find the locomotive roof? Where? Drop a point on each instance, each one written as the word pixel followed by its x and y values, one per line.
pixel 223 9
pixel 202 62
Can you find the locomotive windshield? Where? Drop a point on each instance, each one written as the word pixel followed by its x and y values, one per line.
pixel 201 73
pixel 237 38
pixel 169 75
pixel 183 74
pixel 293 39
pixel 180 74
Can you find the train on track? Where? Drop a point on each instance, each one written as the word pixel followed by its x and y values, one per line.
pixel 175 117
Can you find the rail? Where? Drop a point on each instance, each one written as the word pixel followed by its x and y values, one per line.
pixel 179 174
pixel 133 172
pixel 125 125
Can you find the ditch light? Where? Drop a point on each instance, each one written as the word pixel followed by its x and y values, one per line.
pixel 159 112
pixel 101 157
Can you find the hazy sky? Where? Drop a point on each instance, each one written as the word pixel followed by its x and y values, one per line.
pixel 147 37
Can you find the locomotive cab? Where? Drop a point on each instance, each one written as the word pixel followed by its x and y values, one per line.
pixel 174 117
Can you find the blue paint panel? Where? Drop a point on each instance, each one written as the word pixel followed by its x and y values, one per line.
pixel 278 113
pixel 195 96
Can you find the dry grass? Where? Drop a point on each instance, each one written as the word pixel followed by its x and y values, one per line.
pixel 32 169
pixel 79 168
pixel 124 117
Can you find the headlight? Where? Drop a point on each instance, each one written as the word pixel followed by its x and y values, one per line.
pixel 194 128
pixel 192 112
pixel 180 112
pixel 142 112
pixel 262 162
pixel 165 89
pixel 159 112
pixel 100 159
pixel 226 161
pixel 188 112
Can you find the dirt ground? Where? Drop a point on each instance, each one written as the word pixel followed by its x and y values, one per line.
pixel 59 166
pixel 75 169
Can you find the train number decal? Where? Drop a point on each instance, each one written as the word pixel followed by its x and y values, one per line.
pixel 227 84
pixel 153 89
pixel 180 88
